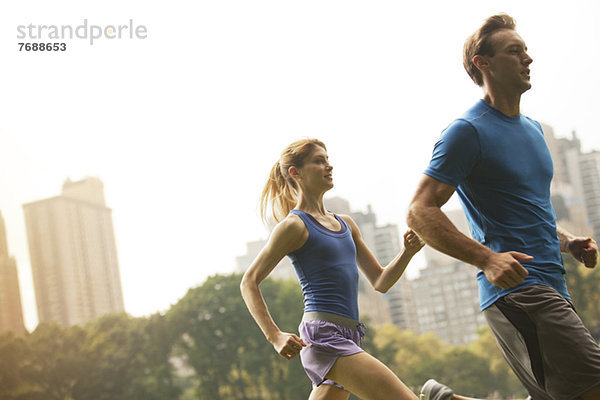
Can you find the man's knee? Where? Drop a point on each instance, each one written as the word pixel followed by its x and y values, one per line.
pixel 593 394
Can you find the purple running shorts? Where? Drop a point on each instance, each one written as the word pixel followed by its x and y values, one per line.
pixel 325 342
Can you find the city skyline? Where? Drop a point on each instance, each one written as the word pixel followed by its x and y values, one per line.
pixel 183 126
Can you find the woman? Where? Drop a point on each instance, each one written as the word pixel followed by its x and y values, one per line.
pixel 325 250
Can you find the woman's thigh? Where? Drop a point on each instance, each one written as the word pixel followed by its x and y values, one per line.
pixel 368 378
pixel 328 392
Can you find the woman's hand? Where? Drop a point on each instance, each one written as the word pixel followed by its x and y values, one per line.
pixel 412 242
pixel 288 345
pixel 584 250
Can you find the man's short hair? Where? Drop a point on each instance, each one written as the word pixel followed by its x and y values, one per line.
pixel 479 43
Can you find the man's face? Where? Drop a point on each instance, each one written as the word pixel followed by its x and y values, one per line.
pixel 509 66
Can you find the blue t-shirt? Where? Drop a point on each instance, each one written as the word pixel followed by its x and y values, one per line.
pixel 502 169
pixel 326 268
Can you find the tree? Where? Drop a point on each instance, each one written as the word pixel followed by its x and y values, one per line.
pixel 460 369
pixel 222 343
pixel 126 358
pixel 474 370
pixel 53 362
pixel 12 355
pixel 402 350
pixel 159 383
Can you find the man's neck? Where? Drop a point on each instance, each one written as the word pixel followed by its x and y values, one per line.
pixel 509 105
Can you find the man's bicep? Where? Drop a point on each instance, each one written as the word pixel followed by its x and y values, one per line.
pixel 433 192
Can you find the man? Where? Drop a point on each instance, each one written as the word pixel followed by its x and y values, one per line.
pixel 498 162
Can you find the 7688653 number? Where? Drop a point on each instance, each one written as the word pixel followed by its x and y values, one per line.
pixel 42 46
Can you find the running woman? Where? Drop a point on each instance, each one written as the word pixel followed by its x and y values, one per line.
pixel 327 251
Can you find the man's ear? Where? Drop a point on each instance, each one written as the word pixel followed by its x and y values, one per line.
pixel 481 62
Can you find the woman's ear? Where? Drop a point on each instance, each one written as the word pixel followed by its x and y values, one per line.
pixel 294 172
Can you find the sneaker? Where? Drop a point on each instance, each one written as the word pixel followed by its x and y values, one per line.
pixel 432 390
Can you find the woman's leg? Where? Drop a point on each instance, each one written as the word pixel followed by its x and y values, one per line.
pixel 369 378
pixel 328 392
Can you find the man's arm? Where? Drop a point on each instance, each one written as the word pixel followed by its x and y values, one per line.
pixel 427 219
pixel 583 249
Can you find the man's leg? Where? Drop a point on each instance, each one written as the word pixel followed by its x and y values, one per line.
pixel 514 348
pixel 544 341
pixel 593 394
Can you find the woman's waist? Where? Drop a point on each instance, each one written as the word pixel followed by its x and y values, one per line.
pixel 331 317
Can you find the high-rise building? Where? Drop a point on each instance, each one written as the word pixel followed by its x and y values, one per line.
pixel 446 294
pixel 73 254
pixel 589 165
pixel 576 184
pixel 11 311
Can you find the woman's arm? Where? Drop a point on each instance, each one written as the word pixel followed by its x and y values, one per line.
pixel 583 249
pixel 288 236
pixel 382 279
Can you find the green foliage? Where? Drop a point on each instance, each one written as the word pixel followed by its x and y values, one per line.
pixel 114 357
pixel 460 369
pixel 53 362
pixel 401 350
pixel 227 350
pixel 12 354
pixel 126 358
pixel 207 346
pixel 477 370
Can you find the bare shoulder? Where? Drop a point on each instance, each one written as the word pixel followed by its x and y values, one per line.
pixel 290 233
pixel 292 225
pixel 351 223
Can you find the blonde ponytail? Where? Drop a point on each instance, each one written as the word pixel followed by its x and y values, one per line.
pixel 280 193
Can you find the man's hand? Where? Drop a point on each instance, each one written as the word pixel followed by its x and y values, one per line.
pixel 505 270
pixel 584 250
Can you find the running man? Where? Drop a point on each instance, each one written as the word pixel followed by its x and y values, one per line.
pixel 498 162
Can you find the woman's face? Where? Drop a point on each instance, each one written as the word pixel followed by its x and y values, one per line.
pixel 316 173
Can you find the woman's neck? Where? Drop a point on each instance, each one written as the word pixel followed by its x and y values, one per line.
pixel 311 204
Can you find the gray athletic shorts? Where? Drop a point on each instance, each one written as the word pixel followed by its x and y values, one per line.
pixel 544 341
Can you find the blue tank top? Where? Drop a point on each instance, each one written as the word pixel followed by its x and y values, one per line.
pixel 326 268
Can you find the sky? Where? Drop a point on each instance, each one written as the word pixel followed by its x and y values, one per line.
pixel 183 123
